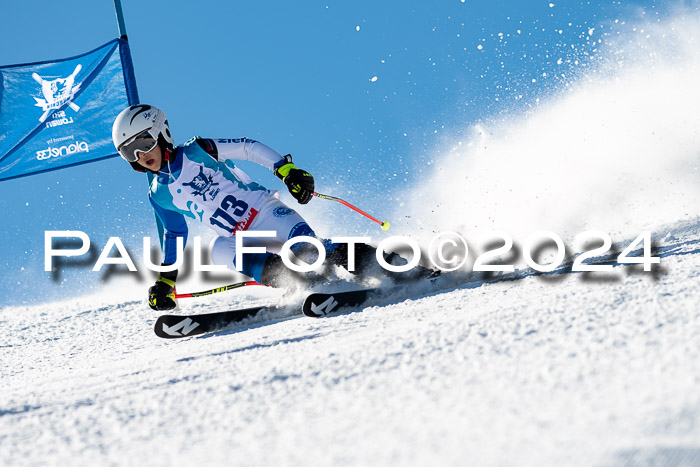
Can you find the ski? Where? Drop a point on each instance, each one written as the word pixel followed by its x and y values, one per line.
pixel 176 326
pixel 321 304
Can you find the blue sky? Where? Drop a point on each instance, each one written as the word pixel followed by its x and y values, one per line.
pixel 359 92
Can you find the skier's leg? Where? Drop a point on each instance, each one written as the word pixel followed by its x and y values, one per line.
pixel 288 224
pixel 268 268
pixel 223 252
pixel 366 264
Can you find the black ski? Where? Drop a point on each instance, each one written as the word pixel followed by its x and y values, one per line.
pixel 175 326
pixel 315 305
pixel 321 304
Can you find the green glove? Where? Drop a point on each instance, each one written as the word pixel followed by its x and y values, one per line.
pixel 161 295
pixel 299 182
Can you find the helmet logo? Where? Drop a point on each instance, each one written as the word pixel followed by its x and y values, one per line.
pixel 203 185
pixel 141 109
pixel 57 92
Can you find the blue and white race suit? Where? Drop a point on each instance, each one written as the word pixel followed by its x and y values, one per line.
pixel 202 183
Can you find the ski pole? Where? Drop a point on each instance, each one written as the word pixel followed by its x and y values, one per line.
pixel 216 290
pixel 384 224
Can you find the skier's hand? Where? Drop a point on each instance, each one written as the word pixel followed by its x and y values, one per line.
pixel 299 182
pixel 161 295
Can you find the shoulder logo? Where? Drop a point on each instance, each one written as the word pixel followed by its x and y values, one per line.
pixel 282 211
pixel 57 92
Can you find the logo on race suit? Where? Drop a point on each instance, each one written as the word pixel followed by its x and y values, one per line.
pixel 203 185
pixel 244 223
pixel 302 229
pixel 57 92
pixel 282 211
pixel 73 148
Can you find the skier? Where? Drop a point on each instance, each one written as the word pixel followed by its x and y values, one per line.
pixel 198 180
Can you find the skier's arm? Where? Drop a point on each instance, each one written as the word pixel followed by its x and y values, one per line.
pixel 243 149
pixel 299 182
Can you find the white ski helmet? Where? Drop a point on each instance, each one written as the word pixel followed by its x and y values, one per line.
pixel 138 129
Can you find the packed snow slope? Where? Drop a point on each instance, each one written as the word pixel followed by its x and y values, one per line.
pixel 562 369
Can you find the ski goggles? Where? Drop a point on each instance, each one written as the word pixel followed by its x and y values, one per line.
pixel 143 142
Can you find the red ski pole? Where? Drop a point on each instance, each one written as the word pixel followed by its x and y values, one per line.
pixel 384 224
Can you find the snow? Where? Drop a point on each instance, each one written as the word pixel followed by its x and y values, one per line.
pixel 555 369
pixel 596 157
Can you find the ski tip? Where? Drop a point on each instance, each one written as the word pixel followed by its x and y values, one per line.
pixel 318 305
pixel 177 326
pixel 173 327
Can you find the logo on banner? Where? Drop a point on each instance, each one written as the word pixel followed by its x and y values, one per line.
pixel 66 150
pixel 57 92
pixel 59 118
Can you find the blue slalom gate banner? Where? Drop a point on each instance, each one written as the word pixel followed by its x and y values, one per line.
pixel 59 113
